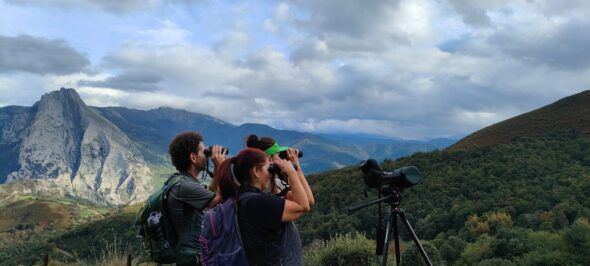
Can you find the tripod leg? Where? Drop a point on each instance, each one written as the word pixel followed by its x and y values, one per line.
pixel 386 243
pixel 396 238
pixel 416 241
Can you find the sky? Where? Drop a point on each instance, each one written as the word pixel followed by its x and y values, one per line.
pixel 406 69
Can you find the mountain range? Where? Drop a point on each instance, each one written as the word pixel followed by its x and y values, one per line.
pixel 116 155
pixel 510 197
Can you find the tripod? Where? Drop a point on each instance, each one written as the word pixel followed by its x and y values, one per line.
pixel 393 198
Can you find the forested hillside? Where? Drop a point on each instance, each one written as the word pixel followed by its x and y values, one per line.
pixel 512 202
pixel 569 112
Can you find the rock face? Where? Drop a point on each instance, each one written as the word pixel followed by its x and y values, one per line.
pixel 75 151
pixel 14 120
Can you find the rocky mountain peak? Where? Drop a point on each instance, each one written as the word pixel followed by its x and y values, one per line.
pixel 67 98
pixel 79 153
pixel 67 94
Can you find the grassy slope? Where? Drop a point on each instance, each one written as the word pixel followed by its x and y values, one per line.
pixel 43 211
pixel 569 112
pixel 81 243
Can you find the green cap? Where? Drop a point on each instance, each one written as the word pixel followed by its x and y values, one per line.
pixel 275 149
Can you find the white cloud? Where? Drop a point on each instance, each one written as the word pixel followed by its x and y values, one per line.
pixel 402 68
pixel 113 6
pixel 167 33
pixel 20 88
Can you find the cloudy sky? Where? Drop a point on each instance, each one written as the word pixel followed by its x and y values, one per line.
pixel 408 69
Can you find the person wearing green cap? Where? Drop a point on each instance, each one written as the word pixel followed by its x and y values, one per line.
pixel 273 149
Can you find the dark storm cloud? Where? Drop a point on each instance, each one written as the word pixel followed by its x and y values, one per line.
pixel 565 47
pixel 135 80
pixel 472 12
pixel 112 6
pixel 351 18
pixel 115 6
pixel 41 56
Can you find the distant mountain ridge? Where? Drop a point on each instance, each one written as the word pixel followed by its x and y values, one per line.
pixel 107 155
pixel 155 128
pixel 567 113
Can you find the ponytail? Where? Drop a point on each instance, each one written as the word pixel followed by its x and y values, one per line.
pixel 252 141
pixel 235 172
pixel 262 144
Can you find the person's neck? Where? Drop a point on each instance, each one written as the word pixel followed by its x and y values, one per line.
pixel 258 186
pixel 193 171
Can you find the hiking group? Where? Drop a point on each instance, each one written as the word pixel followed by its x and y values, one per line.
pixel 244 217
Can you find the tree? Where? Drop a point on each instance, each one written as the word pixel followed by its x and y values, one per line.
pixel 577 238
pixel 510 243
pixel 450 248
pixel 412 256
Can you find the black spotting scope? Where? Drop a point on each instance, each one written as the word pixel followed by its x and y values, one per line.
pixel 375 177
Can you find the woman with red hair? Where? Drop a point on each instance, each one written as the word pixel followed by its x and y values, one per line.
pixel 264 218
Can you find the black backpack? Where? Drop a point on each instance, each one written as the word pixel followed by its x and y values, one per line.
pixel 153 225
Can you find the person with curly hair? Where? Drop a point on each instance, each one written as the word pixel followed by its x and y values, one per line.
pixel 189 196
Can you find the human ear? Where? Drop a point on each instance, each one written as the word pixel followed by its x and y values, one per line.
pixel 255 172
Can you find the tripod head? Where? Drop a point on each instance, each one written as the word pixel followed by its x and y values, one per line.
pixel 392 196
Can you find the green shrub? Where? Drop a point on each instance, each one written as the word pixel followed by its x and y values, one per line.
pixel 496 262
pixel 547 241
pixel 544 258
pixel 510 243
pixel 450 248
pixel 348 249
pixel 412 256
pixel 577 238
pixel 476 252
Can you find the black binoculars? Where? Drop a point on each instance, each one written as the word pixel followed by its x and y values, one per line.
pixel 209 151
pixel 283 155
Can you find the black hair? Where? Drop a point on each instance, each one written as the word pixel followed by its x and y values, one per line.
pixel 181 147
pixel 259 143
pixel 242 164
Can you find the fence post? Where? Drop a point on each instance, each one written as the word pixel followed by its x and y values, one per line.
pixel 129 259
pixel 45 260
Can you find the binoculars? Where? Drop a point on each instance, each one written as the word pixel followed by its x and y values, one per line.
pixel 209 151
pixel 283 155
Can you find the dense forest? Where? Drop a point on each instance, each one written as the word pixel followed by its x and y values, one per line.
pixel 524 203
pixel 527 202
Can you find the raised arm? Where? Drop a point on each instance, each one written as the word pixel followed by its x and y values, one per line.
pixel 293 156
pixel 299 204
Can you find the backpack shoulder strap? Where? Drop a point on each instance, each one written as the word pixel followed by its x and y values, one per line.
pixel 170 183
